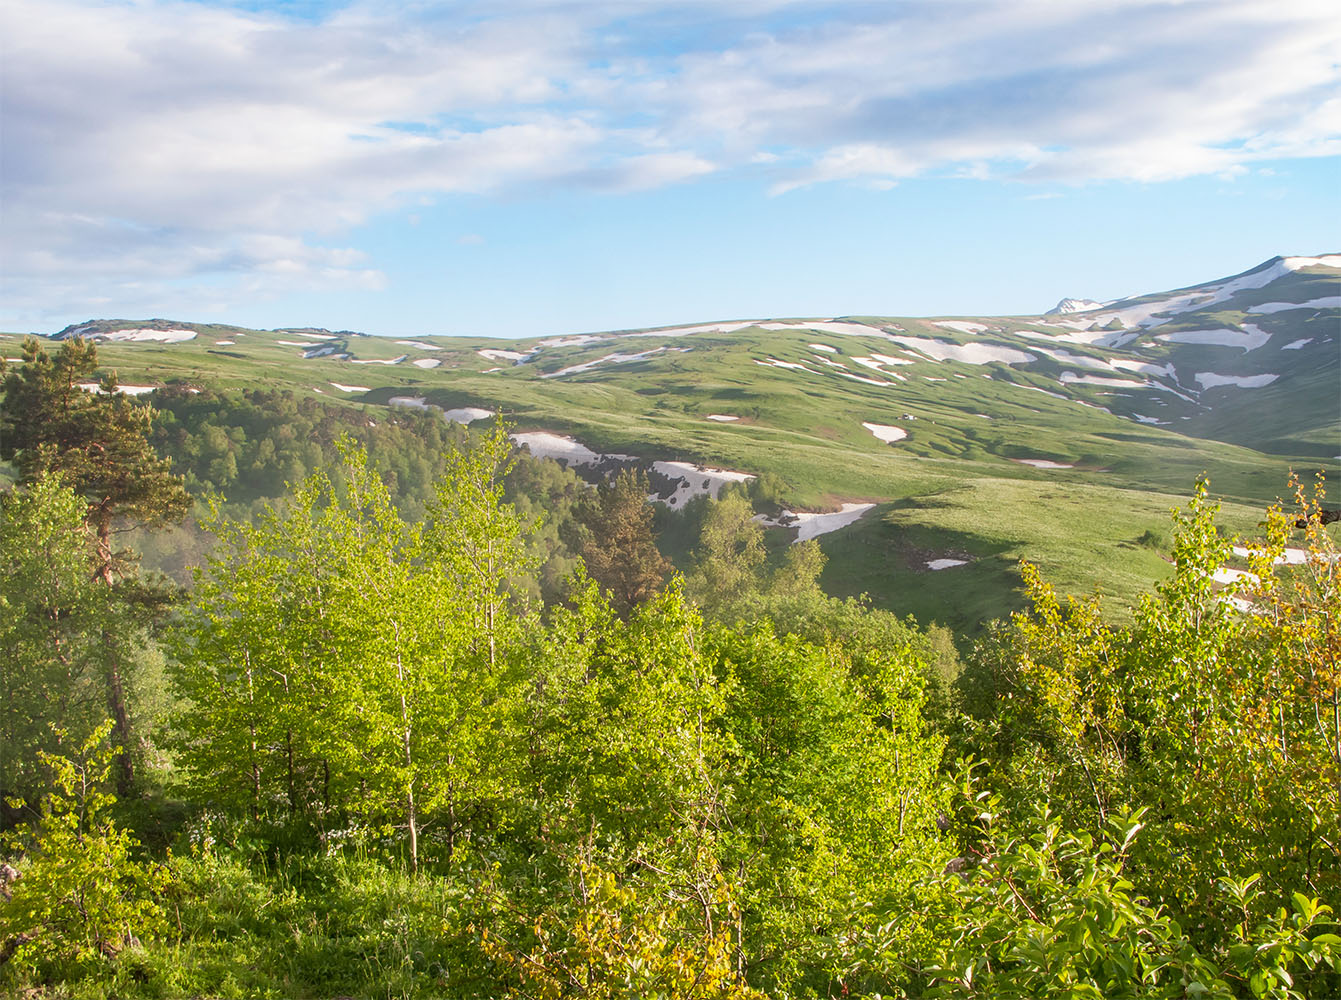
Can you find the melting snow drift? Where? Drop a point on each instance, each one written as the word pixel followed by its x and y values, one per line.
pixel 695 480
pixel 886 433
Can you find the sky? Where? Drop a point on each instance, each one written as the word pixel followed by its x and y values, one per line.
pixel 524 167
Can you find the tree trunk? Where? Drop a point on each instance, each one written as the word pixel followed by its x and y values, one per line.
pixel 116 690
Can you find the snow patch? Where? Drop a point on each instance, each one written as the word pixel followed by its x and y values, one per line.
pixel 1326 302
pixel 844 328
pixel 695 480
pixel 224 343
pixel 1071 378
pixel 426 362
pixel 722 418
pixel 467 414
pixel 1144 367
pixel 514 356
pixel 614 359
pixel 318 352
pixel 129 390
pixel 939 564
pixel 1226 575
pixel 543 444
pixel 350 388
pixel 886 433
pixel 962 327
pixel 972 354
pixel 174 335
pixel 775 363
pixel 686 331
pixel 1249 338
pixel 577 341
pixel 1079 360
pixel 871 381
pixel 823 347
pixel 417 343
pixel 810 525
pixel 1209 380
pixel 1290 557
pixel 378 361
pixel 1295 345
pixel 1042 463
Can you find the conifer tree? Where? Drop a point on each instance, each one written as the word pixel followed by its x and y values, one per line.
pixel 618 547
pixel 98 443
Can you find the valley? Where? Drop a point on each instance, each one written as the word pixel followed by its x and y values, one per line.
pixel 928 455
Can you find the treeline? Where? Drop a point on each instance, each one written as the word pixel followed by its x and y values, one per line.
pixel 375 756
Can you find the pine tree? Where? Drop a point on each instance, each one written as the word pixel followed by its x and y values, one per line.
pixel 618 546
pixel 98 443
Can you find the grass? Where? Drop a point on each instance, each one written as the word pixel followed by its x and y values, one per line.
pixel 954 485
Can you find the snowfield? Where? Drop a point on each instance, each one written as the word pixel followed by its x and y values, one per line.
pixel 694 480
pixel 1043 463
pixel 1209 380
pixel 844 328
pixel 613 359
pixel 810 525
pixel 1071 378
pixel 461 415
pixel 886 433
pixel 775 363
pixel 961 327
pixel 971 354
pixel 1326 302
pixel 939 564
pixel 1079 360
pixel 512 356
pixel 576 341
pixel 543 444
pixel 466 414
pixel 129 390
pixel 1249 338
pixel 142 334
pixel 1144 367
pixel 1290 557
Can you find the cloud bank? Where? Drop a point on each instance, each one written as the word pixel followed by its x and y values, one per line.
pixel 151 145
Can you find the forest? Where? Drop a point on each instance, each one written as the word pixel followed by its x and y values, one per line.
pixel 432 718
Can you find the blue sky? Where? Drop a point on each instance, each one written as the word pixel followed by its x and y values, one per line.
pixel 553 166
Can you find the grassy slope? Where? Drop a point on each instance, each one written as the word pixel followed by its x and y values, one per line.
pixel 951 487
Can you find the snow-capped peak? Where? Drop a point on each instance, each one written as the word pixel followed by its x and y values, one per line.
pixel 1073 306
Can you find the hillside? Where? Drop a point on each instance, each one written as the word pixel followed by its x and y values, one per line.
pixel 959 444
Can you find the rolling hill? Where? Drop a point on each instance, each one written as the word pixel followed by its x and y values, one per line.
pixel 946 448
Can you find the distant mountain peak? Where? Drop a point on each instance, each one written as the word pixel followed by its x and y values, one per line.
pixel 1073 306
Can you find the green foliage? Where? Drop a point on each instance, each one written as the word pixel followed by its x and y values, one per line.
pixel 1221 719
pixel 610 940
pixel 616 540
pixel 52 616
pixel 97 441
pixel 79 896
pixel 1053 913
pixel 338 663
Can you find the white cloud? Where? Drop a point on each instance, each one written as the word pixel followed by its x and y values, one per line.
pixel 157 142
